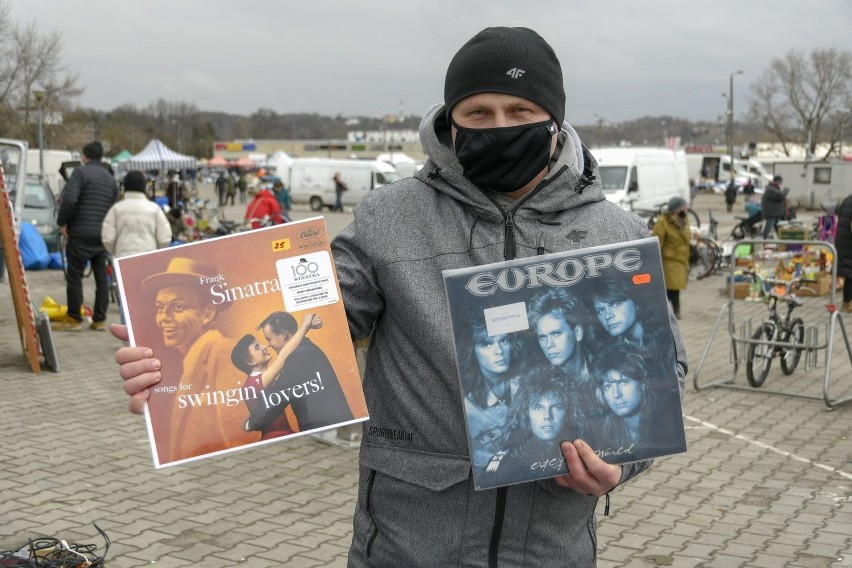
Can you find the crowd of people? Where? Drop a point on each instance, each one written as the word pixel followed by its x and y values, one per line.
pixel 98 221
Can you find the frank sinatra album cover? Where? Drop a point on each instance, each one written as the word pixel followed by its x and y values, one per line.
pixel 253 339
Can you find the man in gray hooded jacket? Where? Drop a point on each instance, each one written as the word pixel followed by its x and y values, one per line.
pixel 506 178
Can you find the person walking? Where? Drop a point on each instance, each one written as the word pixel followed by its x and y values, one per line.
pixel 843 244
pixel 231 188
pixel 773 205
pixel 86 199
pixel 242 187
pixel 339 187
pixel 506 177
pixel 730 195
pixel 222 188
pixel 673 232
pixel 173 190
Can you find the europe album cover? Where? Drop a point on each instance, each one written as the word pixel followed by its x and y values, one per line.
pixel 564 346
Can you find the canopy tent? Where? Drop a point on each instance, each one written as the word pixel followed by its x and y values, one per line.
pixel 245 162
pixel 157 156
pixel 121 157
pixel 217 162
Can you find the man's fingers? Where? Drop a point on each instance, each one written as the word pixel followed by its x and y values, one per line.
pixel 137 402
pixel 131 354
pixel 119 332
pixel 605 475
pixel 588 474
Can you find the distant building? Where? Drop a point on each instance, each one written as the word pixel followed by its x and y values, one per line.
pixel 358 144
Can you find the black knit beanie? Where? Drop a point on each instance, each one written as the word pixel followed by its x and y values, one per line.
pixel 513 61
pixel 134 181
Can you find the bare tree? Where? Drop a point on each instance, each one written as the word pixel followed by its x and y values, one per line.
pixel 800 99
pixel 31 61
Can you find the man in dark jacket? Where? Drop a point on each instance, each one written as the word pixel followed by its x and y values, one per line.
pixel 773 205
pixel 87 197
pixel 730 195
pixel 222 188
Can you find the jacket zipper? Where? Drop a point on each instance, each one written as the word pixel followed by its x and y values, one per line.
pixel 508 254
pixel 369 507
pixel 509 215
pixel 497 530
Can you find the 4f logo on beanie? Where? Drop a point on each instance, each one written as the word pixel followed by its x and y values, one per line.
pixel 514 72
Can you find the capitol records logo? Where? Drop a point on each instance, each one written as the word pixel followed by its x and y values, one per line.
pixel 312 234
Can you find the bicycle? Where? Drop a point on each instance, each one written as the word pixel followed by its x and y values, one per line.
pixel 748 227
pixel 705 257
pixel 778 331
pixel 706 254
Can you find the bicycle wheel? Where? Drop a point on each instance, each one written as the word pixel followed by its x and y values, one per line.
pixel 738 233
pixel 790 355
pixel 759 357
pixel 694 221
pixel 703 262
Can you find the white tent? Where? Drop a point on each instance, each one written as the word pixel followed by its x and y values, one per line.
pixel 157 156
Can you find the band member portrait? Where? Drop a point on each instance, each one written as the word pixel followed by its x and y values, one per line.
pixel 555 318
pixel 633 416
pixel 544 413
pixel 625 315
pixel 490 369
pixel 258 363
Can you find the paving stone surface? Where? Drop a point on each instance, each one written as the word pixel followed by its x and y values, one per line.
pixel 766 481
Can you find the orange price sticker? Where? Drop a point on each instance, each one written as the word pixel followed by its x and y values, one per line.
pixel 641 278
pixel 280 244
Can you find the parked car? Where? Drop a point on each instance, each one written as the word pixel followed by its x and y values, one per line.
pixel 40 209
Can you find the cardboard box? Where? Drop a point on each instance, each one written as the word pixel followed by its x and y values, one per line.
pixel 791 234
pixel 740 290
pixel 819 287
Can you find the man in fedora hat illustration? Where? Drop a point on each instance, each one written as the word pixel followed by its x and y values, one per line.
pixel 185 314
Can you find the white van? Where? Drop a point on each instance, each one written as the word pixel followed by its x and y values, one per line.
pixel 53 160
pixel 642 179
pixel 311 180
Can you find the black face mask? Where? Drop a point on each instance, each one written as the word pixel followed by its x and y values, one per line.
pixel 504 159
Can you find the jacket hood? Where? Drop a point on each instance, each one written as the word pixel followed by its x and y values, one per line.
pixel 571 182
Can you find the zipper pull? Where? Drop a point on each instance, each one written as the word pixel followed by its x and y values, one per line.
pixel 509 248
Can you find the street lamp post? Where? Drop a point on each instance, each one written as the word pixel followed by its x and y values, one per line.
pixel 39 96
pixel 731 124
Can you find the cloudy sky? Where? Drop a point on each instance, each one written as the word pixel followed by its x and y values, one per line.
pixel 622 59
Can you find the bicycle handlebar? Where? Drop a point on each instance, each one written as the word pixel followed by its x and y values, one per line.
pixel 789 285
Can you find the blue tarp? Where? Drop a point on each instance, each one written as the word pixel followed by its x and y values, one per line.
pixel 33 248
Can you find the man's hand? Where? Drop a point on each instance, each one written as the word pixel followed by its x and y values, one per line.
pixel 139 370
pixel 63 230
pixel 587 473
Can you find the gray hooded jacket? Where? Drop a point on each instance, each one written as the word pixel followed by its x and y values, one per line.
pixel 416 504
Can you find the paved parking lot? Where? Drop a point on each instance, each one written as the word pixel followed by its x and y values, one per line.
pixel 766 482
